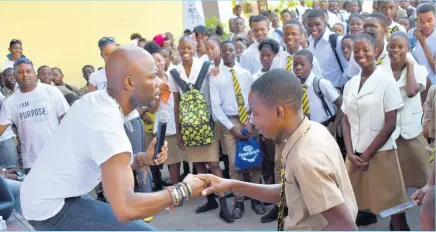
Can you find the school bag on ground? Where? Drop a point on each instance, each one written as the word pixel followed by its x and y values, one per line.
pixel 196 125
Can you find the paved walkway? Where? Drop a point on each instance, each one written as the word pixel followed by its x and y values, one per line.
pixel 16 222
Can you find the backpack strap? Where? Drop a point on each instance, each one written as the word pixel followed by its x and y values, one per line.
pixel 320 95
pixel 182 84
pixel 202 75
pixel 279 32
pixel 333 39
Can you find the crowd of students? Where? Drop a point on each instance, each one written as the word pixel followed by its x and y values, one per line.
pixel 367 77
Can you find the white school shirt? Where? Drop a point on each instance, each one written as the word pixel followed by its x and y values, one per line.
pixel 69 164
pixel 168 107
pixel 195 70
pixel 281 61
pixel 317 112
pixel 409 117
pixel 259 74
pixel 365 109
pixel 334 18
pixel 327 60
pixel 9 133
pixel 418 53
pixel 8 64
pixel 36 115
pixel 250 59
pixel 354 68
pixel 223 96
pixel 99 80
pixel 272 34
pixel 400 27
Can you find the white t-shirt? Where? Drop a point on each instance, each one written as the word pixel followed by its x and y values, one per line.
pixel 36 115
pixel 69 164
pixel 99 80
pixel 8 64
pixel 9 133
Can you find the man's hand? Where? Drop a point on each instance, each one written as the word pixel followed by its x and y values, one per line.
pixel 196 184
pixel 238 135
pixel 215 71
pixel 216 184
pixel 148 158
pixel 332 130
pixel 419 195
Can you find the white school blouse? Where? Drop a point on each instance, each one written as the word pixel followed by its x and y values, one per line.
pixel 365 109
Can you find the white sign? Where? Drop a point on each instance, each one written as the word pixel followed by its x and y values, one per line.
pixel 193 14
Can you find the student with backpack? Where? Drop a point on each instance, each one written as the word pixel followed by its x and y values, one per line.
pixel 195 129
pixel 324 101
pixel 326 47
pixel 229 94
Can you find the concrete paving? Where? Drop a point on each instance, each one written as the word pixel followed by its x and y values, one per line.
pixel 185 218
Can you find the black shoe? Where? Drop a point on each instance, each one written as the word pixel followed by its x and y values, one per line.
pixel 211 204
pixel 365 218
pixel 224 211
pixel 257 207
pixel 266 203
pixel 271 215
pixel 238 210
pixel 101 197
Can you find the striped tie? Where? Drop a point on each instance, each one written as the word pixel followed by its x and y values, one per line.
pixel 281 213
pixel 380 61
pixel 305 102
pixel 289 64
pixel 243 116
pixel 392 30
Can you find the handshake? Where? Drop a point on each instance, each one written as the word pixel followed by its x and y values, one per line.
pixel 205 184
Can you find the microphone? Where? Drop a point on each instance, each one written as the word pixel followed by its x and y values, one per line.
pixel 164 117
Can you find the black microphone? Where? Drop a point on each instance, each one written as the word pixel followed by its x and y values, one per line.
pixel 164 117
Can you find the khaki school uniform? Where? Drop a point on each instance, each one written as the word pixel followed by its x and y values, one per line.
pixel 316 178
pixel 428 122
pixel 412 152
pixel 206 153
pixel 382 185
pixel 226 111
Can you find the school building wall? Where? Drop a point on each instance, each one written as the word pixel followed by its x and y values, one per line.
pixel 65 34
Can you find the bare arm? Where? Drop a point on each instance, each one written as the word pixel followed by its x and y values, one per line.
pixel 262 192
pixel 339 218
pixel 3 129
pixel 339 114
pixel 383 135
pixel 347 136
pixel 425 92
pixel 118 184
pixel 91 88
pixel 430 57
pixel 412 86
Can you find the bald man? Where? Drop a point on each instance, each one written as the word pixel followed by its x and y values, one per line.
pixel 318 192
pixel 90 146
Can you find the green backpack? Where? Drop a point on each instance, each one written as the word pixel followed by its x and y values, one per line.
pixel 196 123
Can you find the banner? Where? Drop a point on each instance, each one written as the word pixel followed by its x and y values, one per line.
pixel 193 14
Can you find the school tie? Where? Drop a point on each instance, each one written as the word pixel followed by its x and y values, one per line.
pixel 289 64
pixel 305 102
pixel 380 61
pixel 392 30
pixel 281 213
pixel 243 116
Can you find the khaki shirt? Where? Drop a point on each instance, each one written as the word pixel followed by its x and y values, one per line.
pixel 316 178
pixel 428 122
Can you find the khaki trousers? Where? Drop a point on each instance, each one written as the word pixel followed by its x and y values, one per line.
pixel 229 145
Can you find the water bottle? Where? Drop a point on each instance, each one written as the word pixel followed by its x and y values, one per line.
pixel 3 226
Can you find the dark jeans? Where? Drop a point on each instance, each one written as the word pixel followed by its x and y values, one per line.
pixel 137 139
pixel 87 215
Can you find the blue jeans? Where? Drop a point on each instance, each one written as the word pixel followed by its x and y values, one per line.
pixel 8 154
pixel 137 139
pixel 15 186
pixel 87 215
